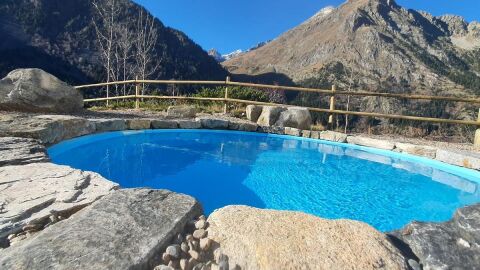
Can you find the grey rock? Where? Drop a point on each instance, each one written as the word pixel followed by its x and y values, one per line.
pixel 137 124
pixel 333 136
pixel 34 90
pixel 315 134
pixel 295 117
pixel 369 142
pixel 189 124
pixel 414 264
pixel 293 131
pixel 181 112
pixel 49 129
pixel 200 233
pixel 213 123
pixel 269 115
pixel 201 224
pixel 30 193
pixel 240 125
pixel 164 124
pixel 306 133
pixel 253 112
pixel 173 251
pixel 19 151
pixel 126 229
pixel 439 245
pixel 105 125
pixel 272 129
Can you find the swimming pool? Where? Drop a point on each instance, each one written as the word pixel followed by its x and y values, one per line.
pixel 330 180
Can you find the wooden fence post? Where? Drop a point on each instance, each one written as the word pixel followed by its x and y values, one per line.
pixel 332 104
pixel 476 141
pixel 137 93
pixel 225 107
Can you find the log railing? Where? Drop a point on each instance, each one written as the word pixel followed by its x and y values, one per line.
pixel 331 93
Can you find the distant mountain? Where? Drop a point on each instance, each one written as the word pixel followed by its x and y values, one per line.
pixel 225 57
pixel 59 36
pixel 379 45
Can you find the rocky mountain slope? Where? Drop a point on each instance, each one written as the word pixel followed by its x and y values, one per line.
pixel 59 36
pixel 378 45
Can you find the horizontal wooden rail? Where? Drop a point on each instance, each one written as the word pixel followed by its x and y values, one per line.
pixel 365 114
pixel 357 93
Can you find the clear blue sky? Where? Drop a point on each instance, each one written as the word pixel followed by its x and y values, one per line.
pixel 228 25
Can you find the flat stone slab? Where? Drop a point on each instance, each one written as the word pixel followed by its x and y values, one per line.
pixel 31 193
pixel 369 142
pixel 451 245
pixel 49 129
pixel 126 229
pixel 459 158
pixel 106 125
pixel 418 150
pixel 268 239
pixel 18 151
pixel 333 136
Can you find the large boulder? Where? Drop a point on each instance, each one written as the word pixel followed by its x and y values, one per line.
pixel 269 115
pixel 127 229
pixel 181 112
pixel 450 245
pixel 30 193
pixel 18 151
pixel 253 112
pixel 295 117
pixel 34 90
pixel 267 239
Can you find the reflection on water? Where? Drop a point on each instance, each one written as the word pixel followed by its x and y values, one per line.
pixel 222 168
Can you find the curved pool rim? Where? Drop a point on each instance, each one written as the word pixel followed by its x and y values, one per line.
pixel 469 174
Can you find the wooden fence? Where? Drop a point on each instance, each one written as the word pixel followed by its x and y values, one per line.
pixel 332 93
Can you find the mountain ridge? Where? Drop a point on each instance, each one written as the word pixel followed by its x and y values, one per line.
pixel 59 37
pixel 381 41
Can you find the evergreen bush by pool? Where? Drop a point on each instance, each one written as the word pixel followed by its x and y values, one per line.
pixel 330 180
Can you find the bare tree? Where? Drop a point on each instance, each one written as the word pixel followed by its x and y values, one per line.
pixel 124 53
pixel 146 40
pixel 108 13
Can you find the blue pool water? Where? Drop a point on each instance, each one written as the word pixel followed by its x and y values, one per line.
pixel 382 188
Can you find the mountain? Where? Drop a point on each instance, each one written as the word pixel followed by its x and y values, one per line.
pixel 216 55
pixel 379 44
pixel 59 36
pixel 225 57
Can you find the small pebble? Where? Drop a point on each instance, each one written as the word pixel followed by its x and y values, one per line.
pixel 173 251
pixel 202 217
pixel 11 236
pixel 193 245
pixel 205 244
pixel 192 262
pixel 53 218
pixel 184 247
pixel 163 267
pixel 414 264
pixel 199 234
pixel 195 255
pixel 174 264
pixel 183 264
pixel 165 258
pixel 201 224
pixel 189 237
